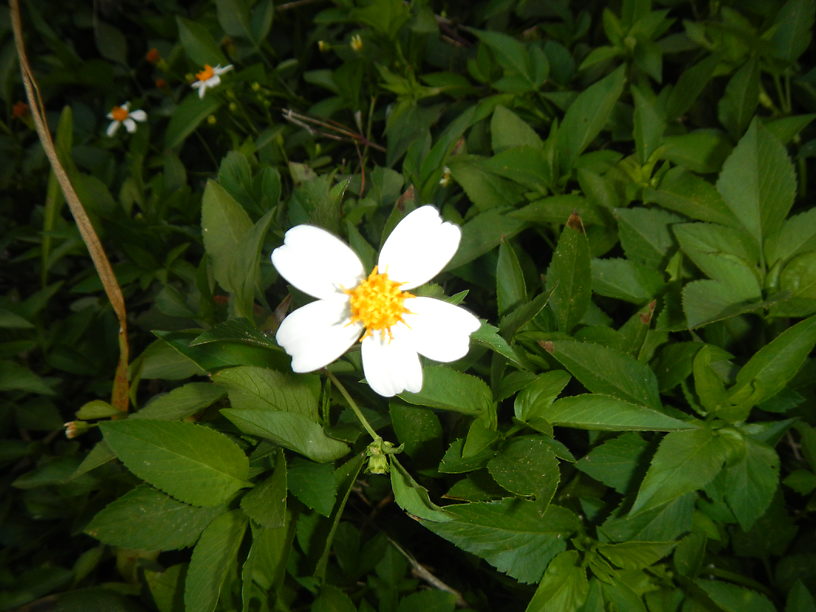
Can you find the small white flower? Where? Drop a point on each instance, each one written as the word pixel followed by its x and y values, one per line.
pixel 209 77
pixel 122 115
pixel 396 326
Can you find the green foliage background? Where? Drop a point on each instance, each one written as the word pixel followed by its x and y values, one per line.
pixel 633 428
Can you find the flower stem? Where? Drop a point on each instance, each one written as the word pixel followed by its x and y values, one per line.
pixel 357 412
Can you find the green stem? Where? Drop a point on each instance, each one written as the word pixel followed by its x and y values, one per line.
pixel 357 412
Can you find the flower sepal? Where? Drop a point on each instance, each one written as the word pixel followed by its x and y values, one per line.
pixel 377 453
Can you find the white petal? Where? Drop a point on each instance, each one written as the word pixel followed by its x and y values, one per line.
pixel 214 81
pixel 317 334
pixel 114 125
pixel 139 115
pixel 391 366
pixel 130 125
pixel 201 86
pixel 419 247
pixel 436 329
pixel 126 106
pixel 219 70
pixel 316 262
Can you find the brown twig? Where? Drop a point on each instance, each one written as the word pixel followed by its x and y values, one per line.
pixel 331 129
pixel 119 396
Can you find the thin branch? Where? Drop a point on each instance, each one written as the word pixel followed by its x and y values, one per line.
pixel 119 396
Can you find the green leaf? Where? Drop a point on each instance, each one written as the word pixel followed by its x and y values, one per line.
pixel 193 463
pixel 529 167
pixel 427 601
pixel 660 524
pixel 483 233
pixel 615 462
pixel 751 481
pixel 692 196
pixel 508 130
pixel 685 461
pixel 412 497
pixel 187 116
pixel 708 301
pixel 236 330
pixel 797 284
pixel 528 63
pixel 602 412
pixel 723 253
pixel 758 183
pixel 509 534
pixel 635 555
pixel 602 369
pixel 536 397
pixel 797 235
pixel 702 150
pixel 511 289
pixel 253 388
pixel 16 377
pixel 225 225
pixel 645 234
pixel 626 280
pixel 313 484
pixel 418 430
pixel 799 598
pixel 776 363
pixel 483 187
pixel 213 558
pixel 649 123
pixel 266 502
pixel 181 402
pixel 198 43
pixel 110 41
pixel 332 599
pixel 733 598
pixel 793 29
pixel 147 519
pixel 488 335
pixel 690 85
pixel 587 116
pixel 568 276
pixel 233 16
pixel 740 100
pixel 527 466
pixel 564 586
pixel 289 430
pixel 450 389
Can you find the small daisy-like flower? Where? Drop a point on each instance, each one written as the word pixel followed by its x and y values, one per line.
pixel 393 325
pixel 122 115
pixel 446 177
pixel 356 43
pixel 209 77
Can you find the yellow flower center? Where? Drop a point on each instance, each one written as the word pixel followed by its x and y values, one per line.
pixel 377 303
pixel 206 74
pixel 119 114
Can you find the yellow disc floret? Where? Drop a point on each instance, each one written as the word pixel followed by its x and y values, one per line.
pixel 206 74
pixel 377 303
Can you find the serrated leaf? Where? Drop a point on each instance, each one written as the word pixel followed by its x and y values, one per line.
pixel 692 196
pixel 663 523
pixel 615 462
pixel 626 280
pixel 708 301
pixel 564 586
pixel 602 369
pixel 482 233
pixel 587 116
pixel 527 466
pixel 797 235
pixel 751 481
pixel 537 396
pixel 509 534
pixel 685 461
pixel 147 519
pixel 486 189
pixel 488 335
pixel 702 150
pixel 225 225
pixel 645 234
pixel 602 412
pixel 740 99
pixel 758 183
pixel 449 389
pixel 253 388
pixel 266 502
pixel 569 277
pixel 733 598
pixel 797 284
pixel 636 555
pixel 793 29
pixel 649 122
pixel 236 330
pixel 770 369
pixel 181 402
pixel 508 130
pixel 412 497
pixel 313 484
pixel 289 430
pixel 212 559
pixel 511 289
pixel 193 463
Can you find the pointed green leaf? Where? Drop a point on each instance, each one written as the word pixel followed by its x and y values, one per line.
pixel 626 280
pixel 253 388
pixel 569 277
pixel 508 130
pixel 615 462
pixel 198 43
pixel 181 402
pixel 740 100
pixel 313 484
pixel 449 389
pixel 193 463
pixel 751 481
pixel 187 116
pixel 564 586
pixel 266 502
pixel 511 289
pixel 225 225
pixel 213 558
pixel 733 598
pixel 147 519
pixel 603 412
pixel 685 461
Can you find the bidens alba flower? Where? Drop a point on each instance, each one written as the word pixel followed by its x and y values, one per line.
pixel 394 326
pixel 122 115
pixel 209 77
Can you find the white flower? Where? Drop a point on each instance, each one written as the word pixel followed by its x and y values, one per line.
pixel 209 77
pixel 396 326
pixel 122 115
